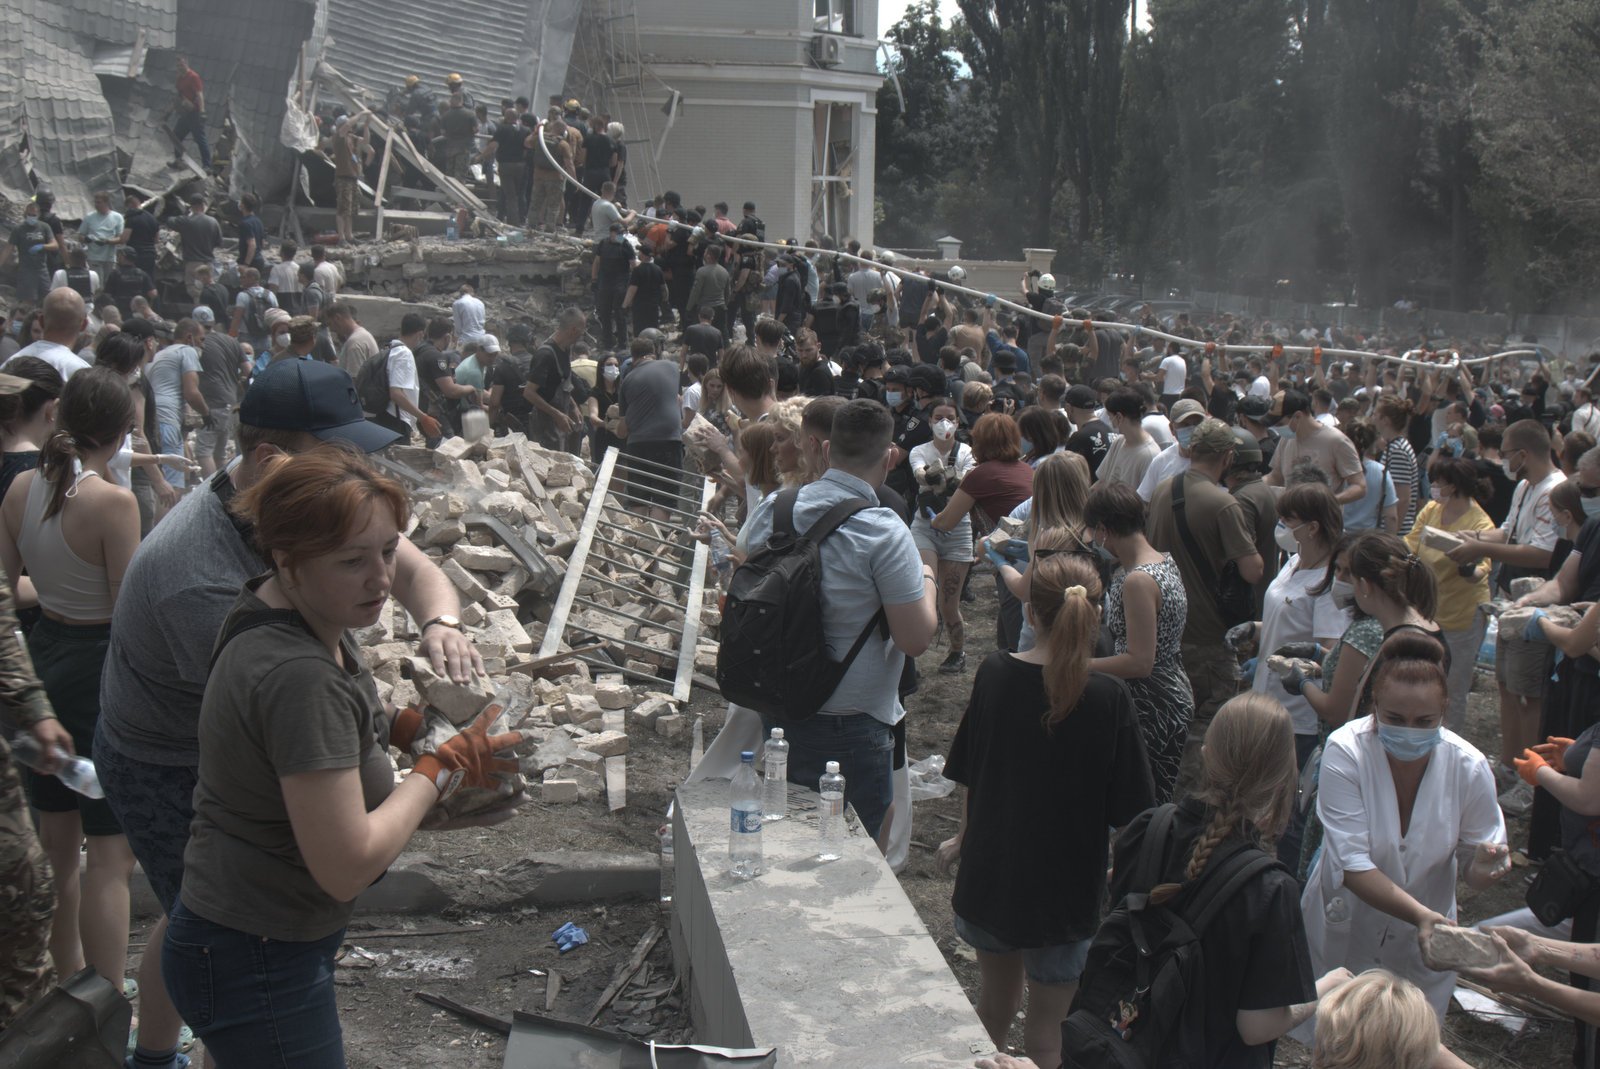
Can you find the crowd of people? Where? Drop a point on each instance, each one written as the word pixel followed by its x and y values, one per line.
pixel 1240 595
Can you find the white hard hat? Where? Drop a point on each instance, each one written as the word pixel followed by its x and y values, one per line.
pixel 1047 281
pixel 886 255
pixel 958 273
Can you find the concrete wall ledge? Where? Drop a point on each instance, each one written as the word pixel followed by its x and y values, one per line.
pixel 828 961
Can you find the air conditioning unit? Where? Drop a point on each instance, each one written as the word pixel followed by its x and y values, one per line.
pixel 828 49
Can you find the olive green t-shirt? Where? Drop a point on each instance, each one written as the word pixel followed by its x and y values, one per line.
pixel 276 703
pixel 1217 521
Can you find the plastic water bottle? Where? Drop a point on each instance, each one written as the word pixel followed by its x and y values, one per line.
pixel 775 788
pixel 668 866
pixel 450 230
pixel 76 772
pixel 830 815
pixel 744 820
pixel 721 559
pixel 1337 911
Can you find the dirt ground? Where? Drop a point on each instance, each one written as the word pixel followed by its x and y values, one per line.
pixel 388 1027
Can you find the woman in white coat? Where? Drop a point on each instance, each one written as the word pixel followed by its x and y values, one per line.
pixel 1400 797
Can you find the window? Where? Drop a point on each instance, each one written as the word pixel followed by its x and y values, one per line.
pixel 835 16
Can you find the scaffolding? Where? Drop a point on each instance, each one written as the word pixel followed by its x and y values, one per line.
pixel 608 73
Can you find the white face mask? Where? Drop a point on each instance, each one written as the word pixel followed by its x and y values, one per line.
pixel 1344 594
pixel 1286 539
pixel 612 373
pixel 944 429
pixel 280 341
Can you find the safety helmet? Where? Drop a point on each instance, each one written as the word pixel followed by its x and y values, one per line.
pixel 411 81
pixel 958 273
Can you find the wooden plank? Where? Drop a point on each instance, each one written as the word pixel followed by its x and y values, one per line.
pixel 635 962
pixel 691 616
pixel 616 767
pixel 569 584
pixel 552 988
pixel 383 178
pixel 471 1013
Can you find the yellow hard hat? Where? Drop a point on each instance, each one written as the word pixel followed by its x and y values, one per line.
pixel 412 80
pixel 454 79
pixel 573 105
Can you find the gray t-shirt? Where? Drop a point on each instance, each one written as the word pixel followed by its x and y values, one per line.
pixel 201 235
pixel 220 358
pixel 166 380
pixel 181 583
pixel 277 704
pixel 649 400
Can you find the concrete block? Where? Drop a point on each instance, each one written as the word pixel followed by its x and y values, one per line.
pixel 445 533
pixel 555 790
pixel 382 315
pixel 415 883
pixel 1449 948
pixel 672 725
pixel 579 709
pixel 505 506
pixel 453 449
pixel 473 614
pixel 606 743
pixel 503 629
pixel 484 558
pixel 647 712
pixel 498 602
pixel 458 701
pixel 465 581
pixel 612 695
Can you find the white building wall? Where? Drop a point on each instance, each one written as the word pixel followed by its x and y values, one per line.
pixel 745 130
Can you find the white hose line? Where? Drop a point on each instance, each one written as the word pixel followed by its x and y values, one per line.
pixel 991 300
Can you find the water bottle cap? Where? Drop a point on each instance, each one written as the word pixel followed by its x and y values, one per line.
pixel 747 756
pixel 833 768
pixel 777 733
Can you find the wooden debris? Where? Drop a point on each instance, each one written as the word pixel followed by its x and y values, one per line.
pixel 626 972
pixel 471 1013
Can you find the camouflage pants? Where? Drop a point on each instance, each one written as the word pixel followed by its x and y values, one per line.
pixel 27 903
pixel 1213 673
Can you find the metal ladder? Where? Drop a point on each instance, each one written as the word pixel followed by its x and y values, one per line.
pixel 594 558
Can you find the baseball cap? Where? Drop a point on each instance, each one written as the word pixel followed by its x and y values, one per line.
pixel 1081 396
pixel 203 315
pixel 139 327
pixel 1187 408
pixel 1212 439
pixel 749 205
pixel 310 396
pixel 1254 407
pixel 488 343
pixel 1004 362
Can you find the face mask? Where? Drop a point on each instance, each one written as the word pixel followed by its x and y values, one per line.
pixel 280 341
pixel 1344 594
pixel 1591 507
pixel 612 373
pixel 1511 473
pixel 1408 744
pixel 1286 539
pixel 1027 447
pixel 1433 493
pixel 1183 434
pixel 893 398
pixel 944 430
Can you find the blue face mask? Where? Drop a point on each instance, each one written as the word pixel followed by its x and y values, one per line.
pixel 1183 434
pixel 1027 447
pixel 1591 507
pixel 1408 744
pixel 893 397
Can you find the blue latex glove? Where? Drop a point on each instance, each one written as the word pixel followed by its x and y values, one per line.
pixel 994 558
pixel 1533 632
pixel 36 249
pixel 1248 669
pixel 989 300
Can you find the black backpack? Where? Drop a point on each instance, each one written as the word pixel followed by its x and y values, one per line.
pixel 254 312
pixel 773 657
pixel 372 384
pixel 1138 1005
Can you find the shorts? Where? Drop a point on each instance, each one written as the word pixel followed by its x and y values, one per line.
pixel 1522 667
pixel 172 442
pixel 1062 964
pixel 646 482
pixel 155 805
pixel 348 201
pixel 68 659
pixel 214 443
pixel 954 545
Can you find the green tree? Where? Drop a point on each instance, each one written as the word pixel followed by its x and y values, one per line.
pixel 911 140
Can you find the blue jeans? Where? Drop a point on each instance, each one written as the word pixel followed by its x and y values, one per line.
pixel 864 747
pixel 257 1003
pixel 193 124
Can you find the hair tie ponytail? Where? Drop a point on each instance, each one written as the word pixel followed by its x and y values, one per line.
pixel 1077 591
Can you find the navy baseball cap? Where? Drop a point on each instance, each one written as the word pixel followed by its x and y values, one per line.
pixel 317 398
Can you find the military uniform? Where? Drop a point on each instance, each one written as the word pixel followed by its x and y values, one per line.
pixel 27 889
pixel 911 429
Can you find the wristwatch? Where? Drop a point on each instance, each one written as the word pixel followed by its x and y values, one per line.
pixel 443 620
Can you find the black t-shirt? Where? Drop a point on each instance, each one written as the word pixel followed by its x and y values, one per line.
pixel 549 368
pixel 146 229
pixel 433 364
pixel 1256 957
pixel 126 283
pixel 816 380
pixel 911 429
pixel 598 153
pixel 510 140
pixel 1499 506
pixel 14 464
pixel 650 281
pixel 1587 546
pixel 511 373
pixel 930 342
pixel 1092 442
pixel 1047 796
pixel 1222 402
pixel 913 295
pixel 703 338
pixel 215 297
pixel 615 255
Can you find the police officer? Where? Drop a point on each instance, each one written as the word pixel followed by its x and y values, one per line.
pixel 910 393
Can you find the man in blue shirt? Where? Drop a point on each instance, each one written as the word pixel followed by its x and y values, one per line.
pixel 869 563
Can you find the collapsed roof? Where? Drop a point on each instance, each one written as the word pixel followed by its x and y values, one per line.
pixel 86 85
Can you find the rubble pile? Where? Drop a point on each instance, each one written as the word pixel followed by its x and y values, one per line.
pixel 430 265
pixel 501 517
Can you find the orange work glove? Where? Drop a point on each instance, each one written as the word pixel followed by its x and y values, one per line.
pixel 403 729
pixel 428 426
pixel 1056 321
pixel 1528 766
pixel 1277 351
pixel 1316 355
pixel 1554 751
pixel 1211 347
pixel 468 759
pixel 1088 324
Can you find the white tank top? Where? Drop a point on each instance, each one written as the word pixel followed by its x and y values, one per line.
pixel 68 586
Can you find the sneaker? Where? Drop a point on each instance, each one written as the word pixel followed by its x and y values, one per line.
pixel 1517 801
pixel 954 664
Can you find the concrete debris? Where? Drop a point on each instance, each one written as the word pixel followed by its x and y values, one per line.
pixel 1448 948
